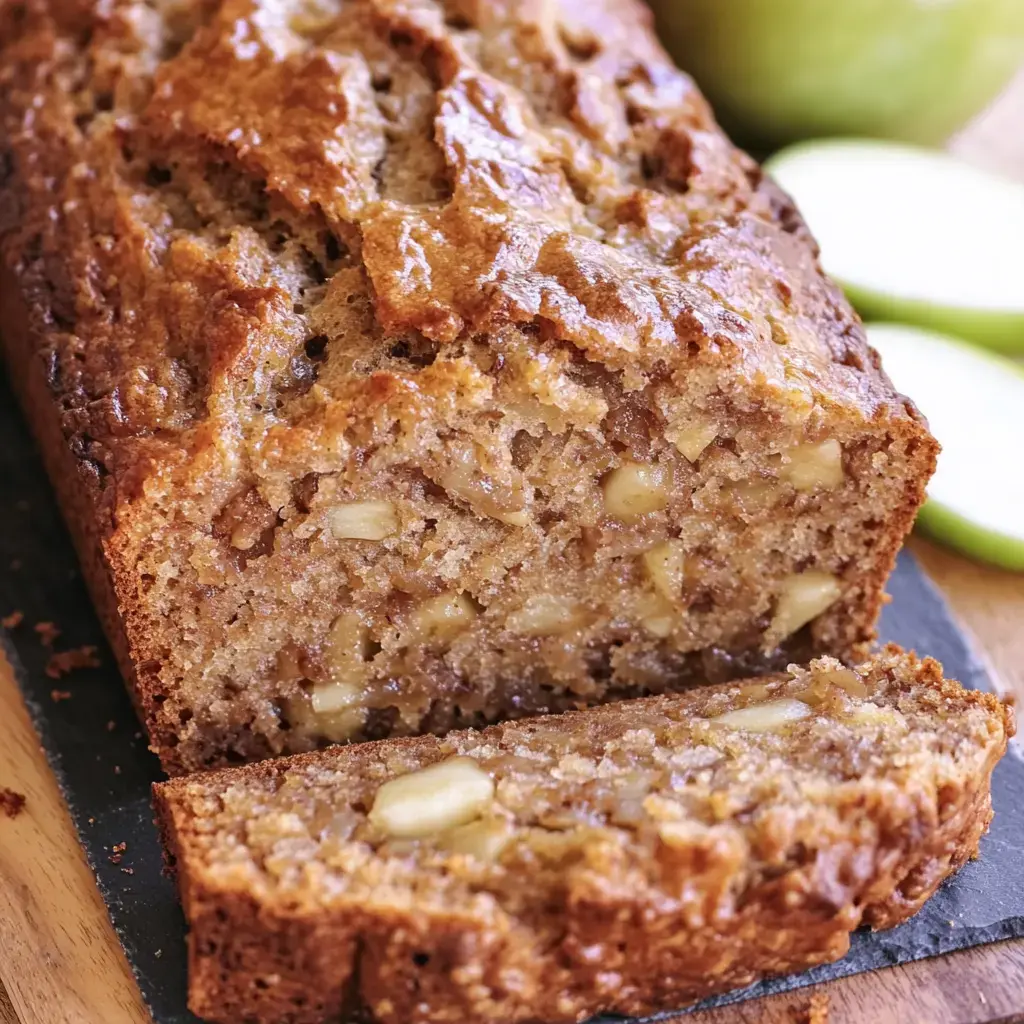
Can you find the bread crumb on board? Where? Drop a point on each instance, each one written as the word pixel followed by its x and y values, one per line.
pixel 14 620
pixel 47 631
pixel 63 662
pixel 815 1011
pixel 11 803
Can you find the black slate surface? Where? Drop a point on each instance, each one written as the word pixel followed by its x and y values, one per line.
pixel 99 756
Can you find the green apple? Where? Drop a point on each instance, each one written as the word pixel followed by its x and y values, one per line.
pixel 974 402
pixel 781 70
pixel 915 235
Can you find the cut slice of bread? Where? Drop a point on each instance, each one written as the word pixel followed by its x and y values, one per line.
pixel 628 858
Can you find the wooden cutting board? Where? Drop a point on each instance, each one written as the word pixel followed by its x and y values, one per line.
pixel 60 962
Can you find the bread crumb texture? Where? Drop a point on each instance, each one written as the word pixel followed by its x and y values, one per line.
pixel 47 633
pixel 816 1011
pixel 11 803
pixel 62 663
pixel 628 858
pixel 13 620
pixel 384 341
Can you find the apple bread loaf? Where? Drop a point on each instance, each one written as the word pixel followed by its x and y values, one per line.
pixel 627 858
pixel 410 365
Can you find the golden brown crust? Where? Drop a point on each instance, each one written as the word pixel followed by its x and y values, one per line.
pixel 73 484
pixel 468 258
pixel 654 856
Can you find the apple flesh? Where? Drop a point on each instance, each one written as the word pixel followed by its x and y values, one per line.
pixel 974 402
pixel 915 235
pixel 781 70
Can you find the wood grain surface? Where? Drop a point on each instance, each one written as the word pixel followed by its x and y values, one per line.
pixel 59 958
pixel 60 962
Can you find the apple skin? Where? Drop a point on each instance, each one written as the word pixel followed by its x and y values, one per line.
pixel 995 329
pixel 936 518
pixel 1000 330
pixel 955 531
pixel 781 70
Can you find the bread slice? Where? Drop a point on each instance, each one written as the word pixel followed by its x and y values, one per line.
pixel 415 365
pixel 628 858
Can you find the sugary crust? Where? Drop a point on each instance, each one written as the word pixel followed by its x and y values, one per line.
pixel 251 250
pixel 784 845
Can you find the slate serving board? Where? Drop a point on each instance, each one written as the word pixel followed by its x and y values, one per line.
pixel 94 746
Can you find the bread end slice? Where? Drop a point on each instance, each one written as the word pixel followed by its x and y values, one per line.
pixel 628 858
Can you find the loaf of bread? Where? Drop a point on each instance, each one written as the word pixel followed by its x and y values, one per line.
pixel 411 365
pixel 628 858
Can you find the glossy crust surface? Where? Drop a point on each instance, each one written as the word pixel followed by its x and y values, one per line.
pixel 465 260
pixel 653 853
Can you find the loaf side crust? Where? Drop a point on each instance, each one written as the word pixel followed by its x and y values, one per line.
pixel 755 854
pixel 73 485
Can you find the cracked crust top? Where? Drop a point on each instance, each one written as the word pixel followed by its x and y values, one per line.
pixel 199 197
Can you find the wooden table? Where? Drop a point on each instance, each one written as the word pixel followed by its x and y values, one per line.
pixel 60 962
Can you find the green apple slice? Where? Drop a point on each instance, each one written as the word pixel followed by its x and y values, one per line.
pixel 974 402
pixel 915 235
